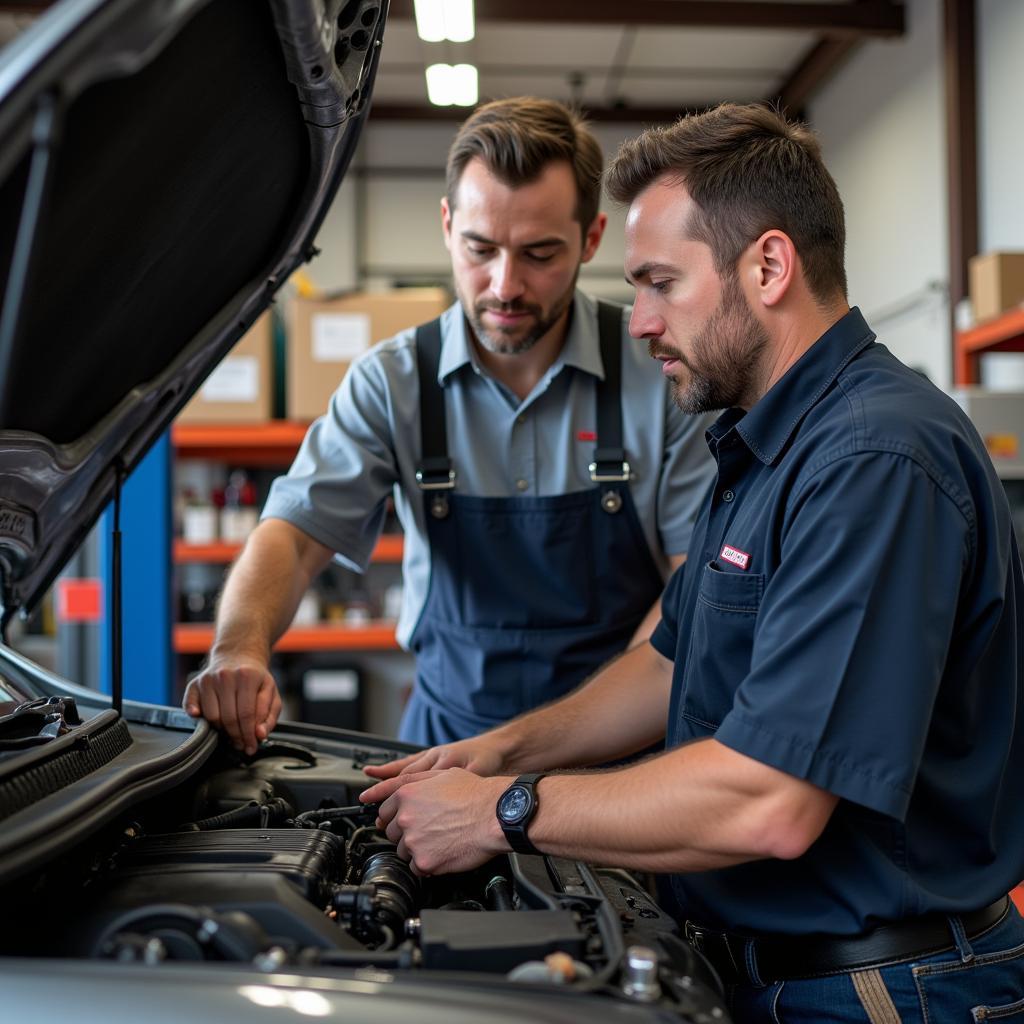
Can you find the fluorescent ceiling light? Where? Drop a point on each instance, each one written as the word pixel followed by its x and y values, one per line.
pixel 444 19
pixel 452 85
pixel 458 20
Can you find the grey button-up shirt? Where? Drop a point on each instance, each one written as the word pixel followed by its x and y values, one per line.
pixel 367 446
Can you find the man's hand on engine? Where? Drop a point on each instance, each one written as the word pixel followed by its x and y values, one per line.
pixel 476 755
pixel 442 821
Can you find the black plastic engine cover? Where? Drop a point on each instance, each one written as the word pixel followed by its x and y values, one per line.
pixel 281 878
pixel 309 858
pixel 496 941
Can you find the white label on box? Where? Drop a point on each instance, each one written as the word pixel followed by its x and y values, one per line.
pixel 339 337
pixel 321 684
pixel 236 379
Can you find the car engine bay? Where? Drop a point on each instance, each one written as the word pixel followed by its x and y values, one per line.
pixel 270 861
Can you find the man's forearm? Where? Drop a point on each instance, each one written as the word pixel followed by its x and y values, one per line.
pixel 620 711
pixel 264 588
pixel 696 808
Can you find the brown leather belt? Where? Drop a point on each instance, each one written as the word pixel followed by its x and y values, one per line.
pixel 784 957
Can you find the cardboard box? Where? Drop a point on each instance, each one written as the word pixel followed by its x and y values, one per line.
pixel 240 389
pixel 996 283
pixel 325 336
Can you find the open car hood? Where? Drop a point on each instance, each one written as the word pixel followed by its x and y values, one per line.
pixel 164 167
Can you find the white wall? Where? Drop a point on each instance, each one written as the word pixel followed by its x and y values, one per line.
pixel 1000 131
pixel 881 121
pixel 385 224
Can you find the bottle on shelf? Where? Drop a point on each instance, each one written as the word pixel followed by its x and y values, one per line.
pixel 198 519
pixel 238 512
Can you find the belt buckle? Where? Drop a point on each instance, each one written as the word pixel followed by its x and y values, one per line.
pixel 694 936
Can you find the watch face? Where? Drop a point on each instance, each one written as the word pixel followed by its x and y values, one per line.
pixel 514 804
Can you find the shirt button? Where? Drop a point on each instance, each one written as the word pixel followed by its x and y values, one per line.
pixel 727 495
pixel 521 485
pixel 520 420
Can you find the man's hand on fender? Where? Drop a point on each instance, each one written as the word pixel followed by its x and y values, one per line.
pixel 237 695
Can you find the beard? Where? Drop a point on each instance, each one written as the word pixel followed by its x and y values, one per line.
pixel 724 365
pixel 514 340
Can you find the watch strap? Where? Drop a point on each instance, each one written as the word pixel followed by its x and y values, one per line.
pixel 529 779
pixel 517 835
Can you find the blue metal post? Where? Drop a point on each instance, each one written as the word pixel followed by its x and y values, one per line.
pixel 147 657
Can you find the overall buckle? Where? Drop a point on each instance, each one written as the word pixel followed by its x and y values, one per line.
pixel 437 475
pixel 427 481
pixel 607 473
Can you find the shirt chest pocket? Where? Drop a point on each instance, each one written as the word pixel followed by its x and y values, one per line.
pixel 721 642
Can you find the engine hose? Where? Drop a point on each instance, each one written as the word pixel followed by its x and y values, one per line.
pixel 397 895
pixel 499 893
pixel 267 815
pixel 230 935
pixel 360 812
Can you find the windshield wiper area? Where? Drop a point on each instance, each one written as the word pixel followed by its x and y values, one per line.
pixel 38 721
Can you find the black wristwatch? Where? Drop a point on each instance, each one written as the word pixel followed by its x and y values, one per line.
pixel 515 810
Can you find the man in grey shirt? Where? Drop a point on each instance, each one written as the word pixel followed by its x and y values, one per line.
pixel 546 482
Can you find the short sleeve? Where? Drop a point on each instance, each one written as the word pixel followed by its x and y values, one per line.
pixel 337 486
pixel 853 631
pixel 665 637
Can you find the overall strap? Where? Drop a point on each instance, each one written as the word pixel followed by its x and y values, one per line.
pixel 609 465
pixel 435 471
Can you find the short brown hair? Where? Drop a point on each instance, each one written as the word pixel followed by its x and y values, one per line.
pixel 747 170
pixel 518 138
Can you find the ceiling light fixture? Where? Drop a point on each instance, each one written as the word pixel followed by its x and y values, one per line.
pixel 444 19
pixel 452 85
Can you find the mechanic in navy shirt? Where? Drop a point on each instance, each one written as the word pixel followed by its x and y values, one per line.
pixel 838 668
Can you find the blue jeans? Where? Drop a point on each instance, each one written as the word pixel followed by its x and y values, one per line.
pixel 981 979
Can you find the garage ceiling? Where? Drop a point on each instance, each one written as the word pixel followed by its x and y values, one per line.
pixel 641 60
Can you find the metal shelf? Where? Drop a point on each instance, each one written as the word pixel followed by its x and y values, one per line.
pixel 389 549
pixel 1003 334
pixel 258 444
pixel 378 635
pixel 268 444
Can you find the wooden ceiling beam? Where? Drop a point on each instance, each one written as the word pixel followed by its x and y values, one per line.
pixel 822 61
pixel 878 18
pixel 959 60
pixel 456 115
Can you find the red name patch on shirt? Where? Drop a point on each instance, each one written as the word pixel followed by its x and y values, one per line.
pixel 586 435
pixel 734 555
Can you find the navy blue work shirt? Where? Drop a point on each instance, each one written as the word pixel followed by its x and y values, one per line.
pixel 851 614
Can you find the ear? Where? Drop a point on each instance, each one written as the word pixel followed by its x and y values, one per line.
pixel 592 239
pixel 773 266
pixel 446 223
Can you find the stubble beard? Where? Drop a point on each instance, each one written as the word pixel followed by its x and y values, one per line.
pixel 723 369
pixel 507 341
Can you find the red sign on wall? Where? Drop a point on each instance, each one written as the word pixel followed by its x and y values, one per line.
pixel 79 600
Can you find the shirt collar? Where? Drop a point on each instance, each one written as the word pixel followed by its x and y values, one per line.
pixel 770 423
pixel 580 349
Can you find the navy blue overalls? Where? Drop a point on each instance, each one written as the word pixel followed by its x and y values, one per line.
pixel 528 595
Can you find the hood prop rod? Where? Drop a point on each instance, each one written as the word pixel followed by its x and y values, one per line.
pixel 116 680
